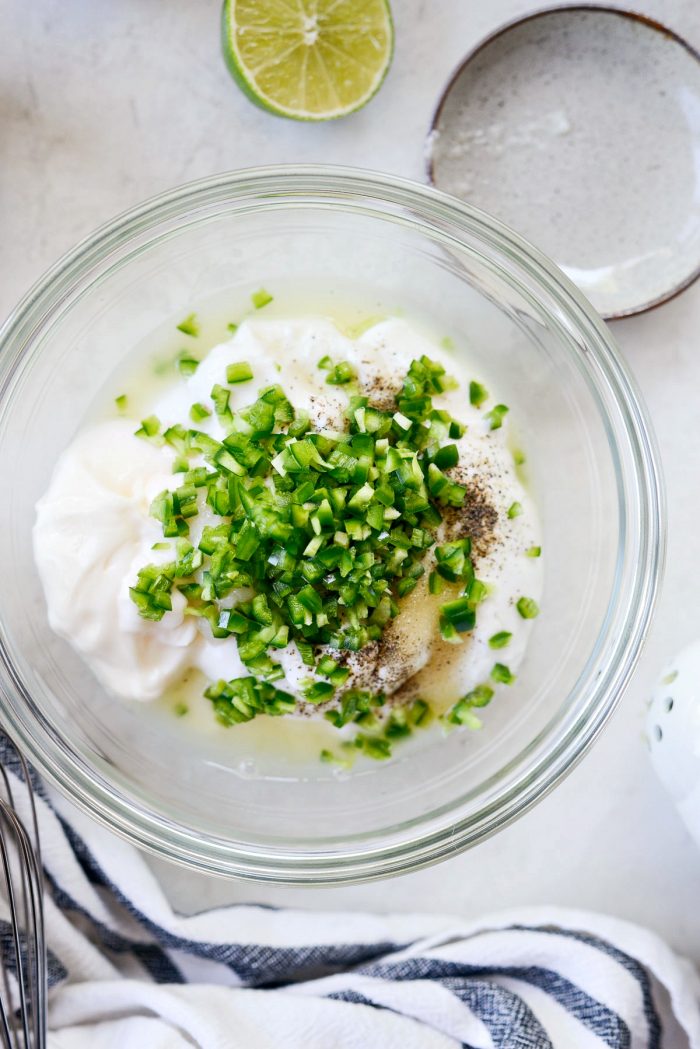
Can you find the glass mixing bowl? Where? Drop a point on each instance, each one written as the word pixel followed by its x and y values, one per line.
pixel 593 469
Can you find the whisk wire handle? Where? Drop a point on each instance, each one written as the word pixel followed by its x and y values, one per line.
pixel 23 987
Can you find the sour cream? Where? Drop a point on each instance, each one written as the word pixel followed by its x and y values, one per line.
pixel 93 530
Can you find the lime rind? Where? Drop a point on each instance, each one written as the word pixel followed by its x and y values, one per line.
pixel 255 94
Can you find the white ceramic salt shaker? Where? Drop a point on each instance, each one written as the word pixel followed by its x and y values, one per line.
pixel 673 729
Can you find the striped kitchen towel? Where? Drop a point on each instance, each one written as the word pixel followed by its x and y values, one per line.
pixel 126 970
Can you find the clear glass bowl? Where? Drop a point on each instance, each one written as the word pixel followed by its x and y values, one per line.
pixel 593 466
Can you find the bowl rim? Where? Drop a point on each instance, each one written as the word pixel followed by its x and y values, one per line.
pixel 156 832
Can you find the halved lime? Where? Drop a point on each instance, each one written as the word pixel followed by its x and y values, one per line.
pixel 308 59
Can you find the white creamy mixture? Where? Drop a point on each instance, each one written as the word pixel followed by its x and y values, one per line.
pixel 93 531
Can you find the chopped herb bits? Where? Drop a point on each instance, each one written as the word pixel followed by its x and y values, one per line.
pixel 260 298
pixel 527 607
pixel 186 365
pixel 240 372
pixel 341 373
pixel 337 516
pixel 190 326
pixel 149 428
pixel 477 394
pixel 328 533
pixel 496 416
pixel 199 412
pixel 462 713
pixel 501 674
pixel 283 494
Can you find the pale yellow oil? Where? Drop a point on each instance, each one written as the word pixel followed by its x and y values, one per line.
pixel 150 368
pixel 293 739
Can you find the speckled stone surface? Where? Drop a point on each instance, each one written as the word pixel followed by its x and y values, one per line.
pixel 580 129
pixel 104 104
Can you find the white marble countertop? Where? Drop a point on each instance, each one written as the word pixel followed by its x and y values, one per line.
pixel 102 105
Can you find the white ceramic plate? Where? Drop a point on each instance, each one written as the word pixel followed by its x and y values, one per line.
pixel 580 128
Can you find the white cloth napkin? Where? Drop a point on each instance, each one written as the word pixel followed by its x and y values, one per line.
pixel 128 971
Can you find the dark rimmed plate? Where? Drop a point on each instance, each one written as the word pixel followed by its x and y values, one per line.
pixel 580 127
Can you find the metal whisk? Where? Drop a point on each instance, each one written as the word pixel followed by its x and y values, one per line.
pixel 23 968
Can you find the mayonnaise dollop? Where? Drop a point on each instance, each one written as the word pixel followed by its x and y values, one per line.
pixel 91 536
pixel 93 530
